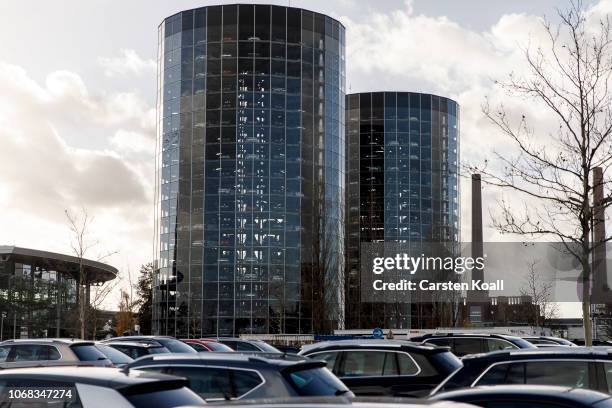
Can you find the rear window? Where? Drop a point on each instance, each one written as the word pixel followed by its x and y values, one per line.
pixel 197 347
pixel 116 356
pixel 464 346
pixel 88 352
pixel 267 348
pixel 218 346
pixel 316 381
pixel 156 350
pixel 165 399
pixel 175 346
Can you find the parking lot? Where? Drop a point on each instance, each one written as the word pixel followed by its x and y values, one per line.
pixel 439 369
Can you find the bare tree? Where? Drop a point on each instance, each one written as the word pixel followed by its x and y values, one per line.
pixel 82 244
pixel 570 77
pixel 99 295
pixel 539 291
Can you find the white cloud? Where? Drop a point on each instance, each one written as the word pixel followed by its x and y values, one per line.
pixel 133 142
pixel 41 174
pixel 129 63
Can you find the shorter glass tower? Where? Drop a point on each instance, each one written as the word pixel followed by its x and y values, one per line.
pixel 402 185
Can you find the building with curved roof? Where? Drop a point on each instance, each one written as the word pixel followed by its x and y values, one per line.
pixel 38 291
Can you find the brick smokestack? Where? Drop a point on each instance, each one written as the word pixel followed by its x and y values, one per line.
pixel 477 243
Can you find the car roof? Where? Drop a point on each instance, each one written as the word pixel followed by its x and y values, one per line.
pixel 134 344
pixel 232 339
pixel 309 402
pixel 102 376
pixel 453 334
pixel 46 341
pixel 235 359
pixel 539 353
pixel 584 396
pixel 370 344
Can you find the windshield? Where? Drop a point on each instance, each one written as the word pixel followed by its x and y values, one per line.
pixel 316 381
pixel 175 346
pixel 114 355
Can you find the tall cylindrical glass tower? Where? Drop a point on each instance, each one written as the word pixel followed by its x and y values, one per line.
pixel 250 172
pixel 402 187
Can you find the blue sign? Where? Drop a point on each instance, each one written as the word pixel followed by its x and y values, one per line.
pixel 377 333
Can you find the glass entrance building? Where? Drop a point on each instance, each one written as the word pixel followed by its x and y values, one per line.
pixel 250 172
pixel 402 187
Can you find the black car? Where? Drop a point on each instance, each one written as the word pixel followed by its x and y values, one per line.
pixel 385 367
pixel 238 344
pixel 548 341
pixel 134 349
pixel 219 376
pixel 171 343
pixel 462 344
pixel 576 367
pixel 94 387
pixel 532 396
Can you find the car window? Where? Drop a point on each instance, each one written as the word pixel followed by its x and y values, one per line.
pixel 165 399
pixel 439 341
pixel 175 346
pixel 207 382
pixel 329 357
pixel 114 355
pixel 390 364
pixel 406 364
pixel 133 352
pixel 499 344
pixel 244 381
pixel 34 352
pixel 608 369
pixel 88 352
pixel 218 346
pixel 363 363
pixel 267 348
pixel 154 350
pixel 464 346
pixel 316 382
pixel 504 374
pixel 564 373
pixel 242 346
pixel 4 352
pixel 197 347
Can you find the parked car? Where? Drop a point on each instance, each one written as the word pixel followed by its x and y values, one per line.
pixel 343 402
pixel 462 344
pixel 385 367
pixel 548 341
pixel 576 367
pixel 219 376
pixel 135 349
pixel 171 343
pixel 118 358
pixel 206 345
pixel 286 349
pixel 532 396
pixel 238 344
pixel 22 352
pixel 96 387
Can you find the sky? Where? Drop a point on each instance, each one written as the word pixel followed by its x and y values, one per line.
pixel 77 100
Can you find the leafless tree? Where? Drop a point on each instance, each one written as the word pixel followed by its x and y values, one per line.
pixel 540 292
pixel 570 77
pixel 82 244
pixel 99 295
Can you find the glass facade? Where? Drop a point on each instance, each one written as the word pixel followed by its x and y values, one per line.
pixel 250 172
pixel 402 185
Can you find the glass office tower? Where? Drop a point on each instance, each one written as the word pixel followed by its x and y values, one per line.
pixel 402 187
pixel 250 172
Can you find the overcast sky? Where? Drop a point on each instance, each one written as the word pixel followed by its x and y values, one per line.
pixel 77 86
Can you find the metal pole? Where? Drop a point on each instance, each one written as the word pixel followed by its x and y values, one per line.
pixel 2 327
